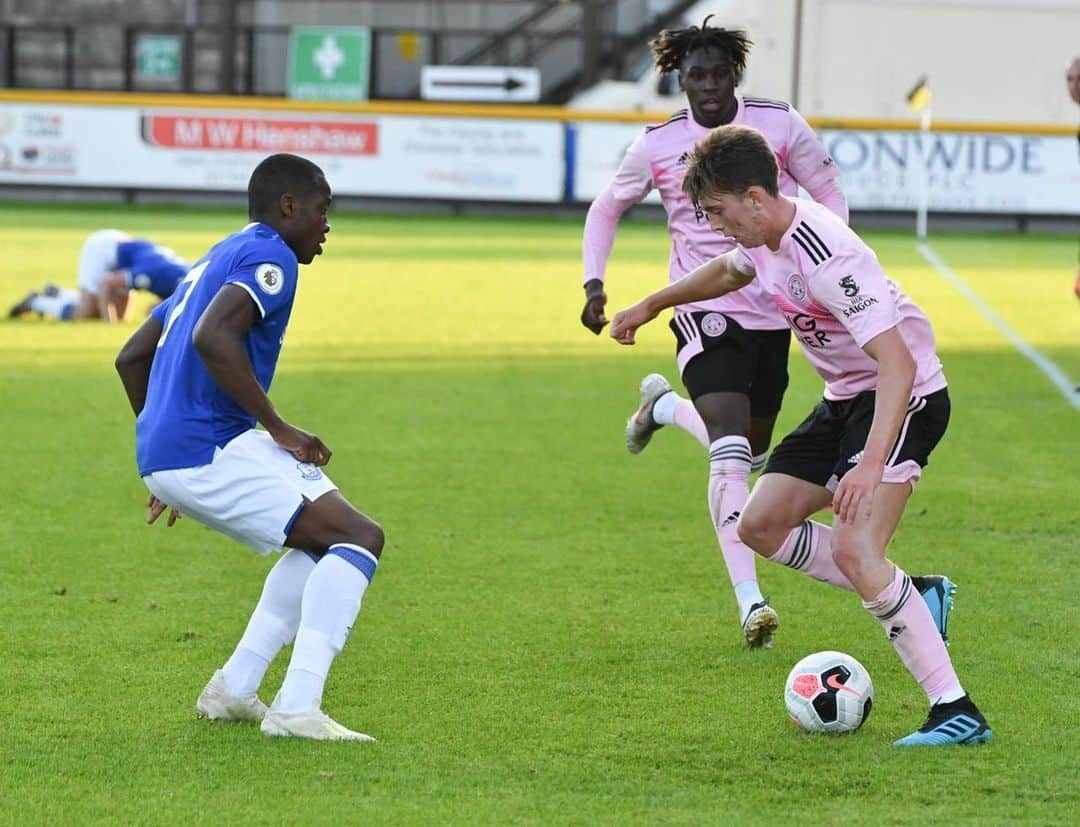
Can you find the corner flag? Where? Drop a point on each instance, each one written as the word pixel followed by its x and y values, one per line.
pixel 919 96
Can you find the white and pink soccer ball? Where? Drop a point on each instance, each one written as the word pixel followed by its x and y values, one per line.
pixel 829 692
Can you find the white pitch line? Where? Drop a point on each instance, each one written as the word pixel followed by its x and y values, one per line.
pixel 1052 371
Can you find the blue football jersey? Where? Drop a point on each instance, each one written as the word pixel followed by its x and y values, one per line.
pixel 150 266
pixel 187 415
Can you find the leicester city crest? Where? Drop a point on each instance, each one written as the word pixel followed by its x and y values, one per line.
pixel 714 324
pixel 796 287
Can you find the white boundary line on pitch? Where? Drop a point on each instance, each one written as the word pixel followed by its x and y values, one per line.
pixel 1042 362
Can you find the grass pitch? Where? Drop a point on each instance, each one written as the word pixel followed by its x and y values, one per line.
pixel 551 637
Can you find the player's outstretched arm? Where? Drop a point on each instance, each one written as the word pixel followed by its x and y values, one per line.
pixel 219 339
pixel 896 375
pixel 713 278
pixel 134 361
pixel 632 182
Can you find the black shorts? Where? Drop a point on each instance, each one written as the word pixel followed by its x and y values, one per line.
pixel 830 441
pixel 718 355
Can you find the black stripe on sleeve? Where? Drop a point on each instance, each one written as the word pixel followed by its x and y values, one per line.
pixel 816 238
pixel 678 116
pixel 807 246
pixel 766 102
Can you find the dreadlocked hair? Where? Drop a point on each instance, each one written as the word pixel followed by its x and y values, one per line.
pixel 672 46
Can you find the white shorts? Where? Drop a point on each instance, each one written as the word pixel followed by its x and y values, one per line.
pixel 98 257
pixel 253 490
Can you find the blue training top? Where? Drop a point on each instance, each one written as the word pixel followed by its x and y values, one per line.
pixel 150 266
pixel 187 415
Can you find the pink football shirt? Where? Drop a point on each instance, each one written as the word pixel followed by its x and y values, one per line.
pixel 835 297
pixel 657 160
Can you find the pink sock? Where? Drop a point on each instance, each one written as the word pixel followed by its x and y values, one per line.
pixel 808 549
pixel 908 623
pixel 687 418
pixel 729 468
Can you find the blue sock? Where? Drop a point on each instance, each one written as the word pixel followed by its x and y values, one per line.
pixel 357 556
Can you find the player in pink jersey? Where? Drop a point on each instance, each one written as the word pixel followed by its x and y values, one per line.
pixel 864 446
pixel 732 351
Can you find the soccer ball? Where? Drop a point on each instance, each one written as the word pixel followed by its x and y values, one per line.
pixel 829 692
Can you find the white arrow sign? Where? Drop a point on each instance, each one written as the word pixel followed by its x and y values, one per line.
pixel 509 84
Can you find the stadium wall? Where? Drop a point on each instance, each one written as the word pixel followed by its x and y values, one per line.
pixel 56 142
pixel 986 59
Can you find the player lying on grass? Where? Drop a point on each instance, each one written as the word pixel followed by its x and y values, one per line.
pixel 111 265
pixel 197 374
pixel 732 352
pixel 885 406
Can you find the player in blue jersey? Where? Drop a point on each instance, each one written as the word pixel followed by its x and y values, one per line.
pixel 197 374
pixel 111 265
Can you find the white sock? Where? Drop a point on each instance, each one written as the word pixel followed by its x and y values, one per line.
pixel 58 307
pixel 950 696
pixel 273 624
pixel 748 592
pixel 331 603
pixel 663 409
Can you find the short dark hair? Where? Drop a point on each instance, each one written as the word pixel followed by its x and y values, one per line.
pixel 729 161
pixel 277 175
pixel 671 46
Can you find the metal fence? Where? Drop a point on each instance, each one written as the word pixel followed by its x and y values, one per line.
pixel 188 59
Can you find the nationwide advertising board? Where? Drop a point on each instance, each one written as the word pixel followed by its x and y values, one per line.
pixel 968 172
pixel 202 149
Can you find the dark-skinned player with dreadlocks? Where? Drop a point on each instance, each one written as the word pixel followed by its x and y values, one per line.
pixel 732 351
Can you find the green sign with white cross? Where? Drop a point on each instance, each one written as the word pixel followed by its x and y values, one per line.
pixel 157 56
pixel 329 63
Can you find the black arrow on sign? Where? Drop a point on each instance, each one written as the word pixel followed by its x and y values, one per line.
pixel 510 84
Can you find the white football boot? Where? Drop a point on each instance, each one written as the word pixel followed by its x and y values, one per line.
pixel 313 723
pixel 641 426
pixel 219 704
pixel 759 625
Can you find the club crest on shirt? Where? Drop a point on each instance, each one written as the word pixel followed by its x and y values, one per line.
pixel 308 471
pixel 270 279
pixel 796 287
pixel 142 281
pixel 714 324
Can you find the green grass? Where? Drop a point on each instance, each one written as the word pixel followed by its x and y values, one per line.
pixel 551 636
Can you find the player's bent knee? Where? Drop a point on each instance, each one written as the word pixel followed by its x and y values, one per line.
pixel 370 535
pixel 753 530
pixel 332 519
pixel 762 534
pixel 847 557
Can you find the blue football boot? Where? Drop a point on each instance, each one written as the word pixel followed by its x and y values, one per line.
pixel 938 592
pixel 956 722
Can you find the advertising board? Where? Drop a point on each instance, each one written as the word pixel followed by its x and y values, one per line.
pixel 201 149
